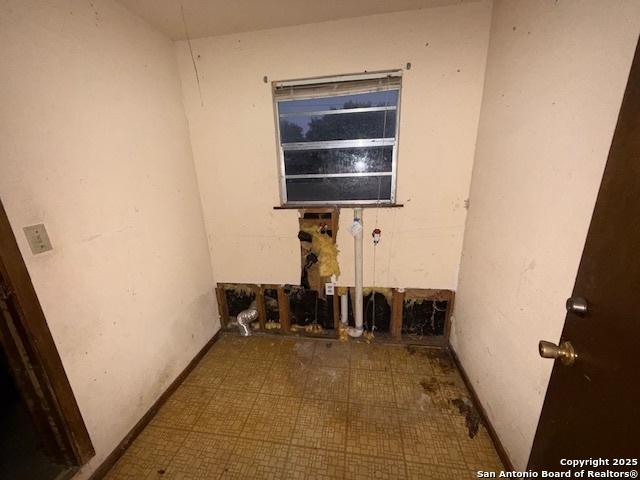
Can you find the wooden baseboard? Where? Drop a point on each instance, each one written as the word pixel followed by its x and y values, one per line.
pixel 502 453
pixel 114 456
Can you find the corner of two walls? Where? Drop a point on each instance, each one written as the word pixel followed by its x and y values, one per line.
pixel 94 144
pixel 233 137
pixel 556 74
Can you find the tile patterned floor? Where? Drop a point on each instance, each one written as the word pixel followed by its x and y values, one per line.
pixel 290 408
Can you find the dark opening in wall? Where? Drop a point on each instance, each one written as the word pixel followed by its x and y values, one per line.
pixel 376 312
pixel 321 218
pixel 414 312
pixel 271 305
pixel 381 319
pixel 423 317
pixel 239 298
pixel 306 308
pixel 350 312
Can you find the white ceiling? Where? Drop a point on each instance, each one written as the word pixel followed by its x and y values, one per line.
pixel 217 17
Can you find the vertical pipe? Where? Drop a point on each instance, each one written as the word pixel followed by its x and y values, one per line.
pixel 357 331
pixel 344 309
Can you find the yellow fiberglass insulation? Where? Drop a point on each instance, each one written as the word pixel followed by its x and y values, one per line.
pixel 387 292
pixel 342 290
pixel 327 251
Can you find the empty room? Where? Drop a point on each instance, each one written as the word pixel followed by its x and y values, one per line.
pixel 319 239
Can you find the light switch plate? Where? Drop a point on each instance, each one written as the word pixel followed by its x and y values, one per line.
pixel 38 238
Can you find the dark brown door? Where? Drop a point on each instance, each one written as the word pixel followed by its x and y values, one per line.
pixel 592 408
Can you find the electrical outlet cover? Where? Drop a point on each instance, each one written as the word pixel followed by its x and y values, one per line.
pixel 329 288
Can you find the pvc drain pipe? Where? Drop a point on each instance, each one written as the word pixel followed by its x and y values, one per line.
pixel 344 309
pixel 357 236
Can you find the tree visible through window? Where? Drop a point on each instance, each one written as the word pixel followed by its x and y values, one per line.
pixel 338 141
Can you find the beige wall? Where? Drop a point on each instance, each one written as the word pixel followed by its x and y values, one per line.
pixel 94 143
pixel 234 142
pixel 556 73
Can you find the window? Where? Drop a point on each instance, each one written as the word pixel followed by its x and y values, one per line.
pixel 338 139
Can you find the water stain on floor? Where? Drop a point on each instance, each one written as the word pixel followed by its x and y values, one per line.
pixel 273 407
pixel 470 413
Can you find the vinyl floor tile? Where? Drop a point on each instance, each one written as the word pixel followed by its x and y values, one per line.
pixel 271 407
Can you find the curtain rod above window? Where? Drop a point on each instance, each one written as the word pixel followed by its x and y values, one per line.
pixel 339 78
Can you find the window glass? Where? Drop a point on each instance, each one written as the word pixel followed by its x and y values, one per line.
pixel 338 148
pixel 344 126
pixel 338 189
pixel 338 160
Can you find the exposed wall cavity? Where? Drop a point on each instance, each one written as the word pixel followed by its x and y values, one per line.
pixel 239 298
pixel 308 308
pixel 424 317
pixel 319 252
pixel 376 313
pixel 271 308
pixel 414 313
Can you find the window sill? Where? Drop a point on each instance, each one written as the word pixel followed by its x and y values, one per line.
pixel 341 205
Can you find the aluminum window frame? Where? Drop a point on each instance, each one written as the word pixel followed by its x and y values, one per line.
pixel 330 144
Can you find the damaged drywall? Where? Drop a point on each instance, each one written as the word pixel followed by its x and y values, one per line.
pixel 415 313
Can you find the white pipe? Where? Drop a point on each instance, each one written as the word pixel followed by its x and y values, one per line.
pixel 344 309
pixel 357 331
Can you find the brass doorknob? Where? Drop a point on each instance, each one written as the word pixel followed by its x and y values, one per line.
pixel 564 351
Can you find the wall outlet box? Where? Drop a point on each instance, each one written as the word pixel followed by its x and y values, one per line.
pixel 329 288
pixel 38 238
